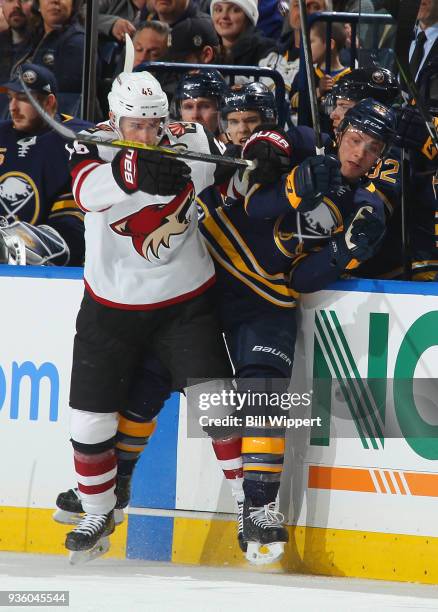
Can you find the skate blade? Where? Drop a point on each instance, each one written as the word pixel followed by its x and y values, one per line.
pixel 262 554
pixel 67 518
pixel 77 557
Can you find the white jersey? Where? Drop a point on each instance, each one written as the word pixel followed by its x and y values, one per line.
pixel 142 251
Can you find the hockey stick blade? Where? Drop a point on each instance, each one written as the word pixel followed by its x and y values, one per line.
pixel 69 134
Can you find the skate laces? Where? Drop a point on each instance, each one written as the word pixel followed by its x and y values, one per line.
pixel 91 524
pixel 266 516
pixel 240 516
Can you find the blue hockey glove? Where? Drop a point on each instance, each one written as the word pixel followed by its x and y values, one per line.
pixel 307 184
pixel 360 240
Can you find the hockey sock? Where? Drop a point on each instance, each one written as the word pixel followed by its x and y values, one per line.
pixel 133 434
pixel 262 467
pixel 96 476
pixel 93 437
pixel 228 454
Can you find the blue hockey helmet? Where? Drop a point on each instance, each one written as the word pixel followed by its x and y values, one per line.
pixel 202 84
pixel 251 97
pixel 373 118
pixel 375 82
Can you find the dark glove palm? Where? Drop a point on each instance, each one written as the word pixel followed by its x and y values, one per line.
pixel 361 239
pixel 314 177
pixel 411 129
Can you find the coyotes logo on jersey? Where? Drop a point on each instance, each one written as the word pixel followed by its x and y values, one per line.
pixel 179 128
pixel 154 225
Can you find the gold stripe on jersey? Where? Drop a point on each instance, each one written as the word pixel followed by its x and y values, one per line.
pixel 65 204
pixel 242 244
pixel 203 206
pixel 291 303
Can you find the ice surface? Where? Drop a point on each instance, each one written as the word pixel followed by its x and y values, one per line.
pixel 136 586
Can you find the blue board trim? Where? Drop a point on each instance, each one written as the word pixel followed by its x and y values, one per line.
pixel 385 286
pixel 56 272
pixel 357 285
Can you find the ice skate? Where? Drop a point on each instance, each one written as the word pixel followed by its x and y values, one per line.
pixel 89 540
pixel 69 509
pixel 264 533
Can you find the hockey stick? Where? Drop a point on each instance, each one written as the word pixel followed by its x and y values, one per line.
pixel 129 54
pixel 311 78
pixel 69 134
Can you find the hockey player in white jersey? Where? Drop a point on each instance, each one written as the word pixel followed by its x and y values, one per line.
pixel 146 275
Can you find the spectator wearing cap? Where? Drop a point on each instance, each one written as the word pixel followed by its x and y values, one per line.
pixel 120 17
pixel 191 41
pixel 35 183
pixel 58 41
pixel 194 41
pixel 15 41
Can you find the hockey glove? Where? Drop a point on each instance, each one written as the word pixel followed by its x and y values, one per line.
pixel 270 146
pixel 311 180
pixel 359 242
pixel 149 171
pixel 411 129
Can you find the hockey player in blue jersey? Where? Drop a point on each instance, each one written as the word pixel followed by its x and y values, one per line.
pixel 198 97
pixel 296 230
pixel 381 85
pixel 41 223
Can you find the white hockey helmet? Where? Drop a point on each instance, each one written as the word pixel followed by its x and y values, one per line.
pixel 139 95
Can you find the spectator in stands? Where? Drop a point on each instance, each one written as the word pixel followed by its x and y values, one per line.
pixel 325 78
pixel 359 6
pixel 58 43
pixel 193 41
pixel 235 23
pixel 290 43
pixel 175 11
pixel 150 42
pixel 120 17
pixel 424 49
pixel 35 183
pixel 15 41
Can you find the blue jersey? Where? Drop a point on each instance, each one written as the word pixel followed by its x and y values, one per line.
pixel 35 183
pixel 255 246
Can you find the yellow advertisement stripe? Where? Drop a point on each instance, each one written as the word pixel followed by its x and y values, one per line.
pixel 311 550
pixel 33 530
